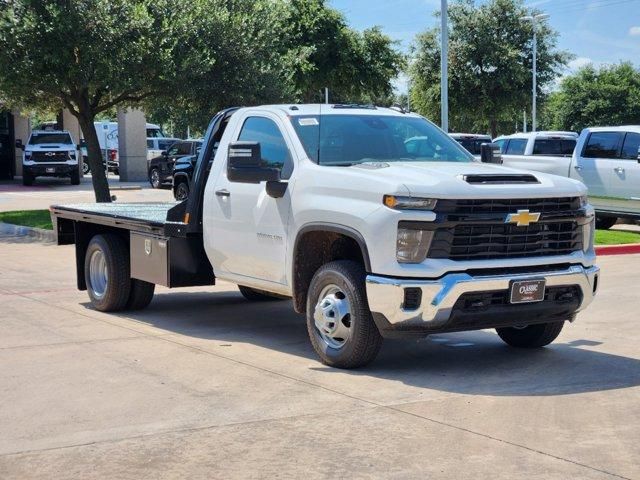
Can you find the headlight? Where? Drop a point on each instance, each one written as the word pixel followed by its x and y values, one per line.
pixel 27 154
pixel 412 244
pixel 584 201
pixel 409 203
pixel 589 230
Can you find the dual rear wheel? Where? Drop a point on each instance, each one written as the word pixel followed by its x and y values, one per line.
pixel 108 277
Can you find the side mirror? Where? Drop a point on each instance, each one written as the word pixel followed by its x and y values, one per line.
pixel 244 164
pixel 490 153
pixel 19 144
pixel 164 153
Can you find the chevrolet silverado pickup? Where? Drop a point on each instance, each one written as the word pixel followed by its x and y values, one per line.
pixel 49 153
pixel 373 221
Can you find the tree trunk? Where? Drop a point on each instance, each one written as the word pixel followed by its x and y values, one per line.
pixel 493 125
pixel 98 175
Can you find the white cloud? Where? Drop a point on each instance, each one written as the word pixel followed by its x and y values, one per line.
pixel 579 62
pixel 634 31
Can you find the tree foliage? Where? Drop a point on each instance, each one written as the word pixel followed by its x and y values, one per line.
pixel 183 60
pixel 322 51
pixel 88 56
pixel 490 65
pixel 279 51
pixel 609 95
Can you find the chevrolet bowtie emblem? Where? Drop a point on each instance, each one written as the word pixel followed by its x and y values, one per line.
pixel 523 218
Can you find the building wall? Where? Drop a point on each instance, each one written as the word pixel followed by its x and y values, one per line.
pixel 22 130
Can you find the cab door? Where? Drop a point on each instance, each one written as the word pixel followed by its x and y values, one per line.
pixel 625 177
pixel 248 227
pixel 596 163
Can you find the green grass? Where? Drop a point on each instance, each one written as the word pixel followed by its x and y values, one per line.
pixel 28 218
pixel 616 237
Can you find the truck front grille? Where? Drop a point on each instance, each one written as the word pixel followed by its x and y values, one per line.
pixel 492 241
pixel 477 206
pixel 49 156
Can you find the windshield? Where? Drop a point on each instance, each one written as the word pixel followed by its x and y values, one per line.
pixel 351 139
pixel 153 132
pixel 472 145
pixel 42 138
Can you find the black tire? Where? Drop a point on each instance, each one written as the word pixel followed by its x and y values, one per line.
pixel 141 294
pixel 605 223
pixel 27 179
pixel 117 289
pixel 86 168
pixel 255 295
pixel 181 191
pixel 154 178
pixel 75 176
pixel 364 340
pixel 532 336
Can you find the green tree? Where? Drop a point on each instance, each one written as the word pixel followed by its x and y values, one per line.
pixel 322 51
pixel 490 65
pixel 609 95
pixel 233 57
pixel 87 56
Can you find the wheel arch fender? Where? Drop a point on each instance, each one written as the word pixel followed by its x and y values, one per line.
pixel 300 280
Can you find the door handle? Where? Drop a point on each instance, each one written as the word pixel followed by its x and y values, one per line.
pixel 577 167
pixel 619 170
pixel 223 193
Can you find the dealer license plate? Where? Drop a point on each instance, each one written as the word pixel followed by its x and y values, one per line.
pixel 527 291
pixel 51 170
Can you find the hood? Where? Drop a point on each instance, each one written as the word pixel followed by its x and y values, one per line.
pixel 447 180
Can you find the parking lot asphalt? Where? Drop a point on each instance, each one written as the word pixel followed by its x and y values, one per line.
pixel 204 384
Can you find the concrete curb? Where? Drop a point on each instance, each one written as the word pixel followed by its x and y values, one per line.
pixel 627 249
pixel 22 231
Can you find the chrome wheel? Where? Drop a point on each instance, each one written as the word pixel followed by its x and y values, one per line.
pixel 85 168
pixel 98 274
pixel 332 316
pixel 154 178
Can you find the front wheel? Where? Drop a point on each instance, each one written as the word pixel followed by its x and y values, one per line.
pixel 27 179
pixel 339 323
pixel 85 167
pixel 154 178
pixel 75 176
pixel 181 192
pixel 531 336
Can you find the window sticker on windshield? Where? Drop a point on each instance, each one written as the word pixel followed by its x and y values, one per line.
pixel 307 122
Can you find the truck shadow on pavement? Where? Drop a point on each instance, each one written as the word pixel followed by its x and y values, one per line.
pixel 474 363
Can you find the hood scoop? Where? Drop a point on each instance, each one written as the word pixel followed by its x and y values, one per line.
pixel 499 179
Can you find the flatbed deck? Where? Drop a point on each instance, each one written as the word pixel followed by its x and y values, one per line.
pixel 146 217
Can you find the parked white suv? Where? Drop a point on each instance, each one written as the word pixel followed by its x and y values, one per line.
pixel 49 154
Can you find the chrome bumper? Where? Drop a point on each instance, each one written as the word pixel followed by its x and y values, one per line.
pixel 386 295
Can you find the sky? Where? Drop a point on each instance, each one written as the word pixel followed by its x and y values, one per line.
pixel 595 31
